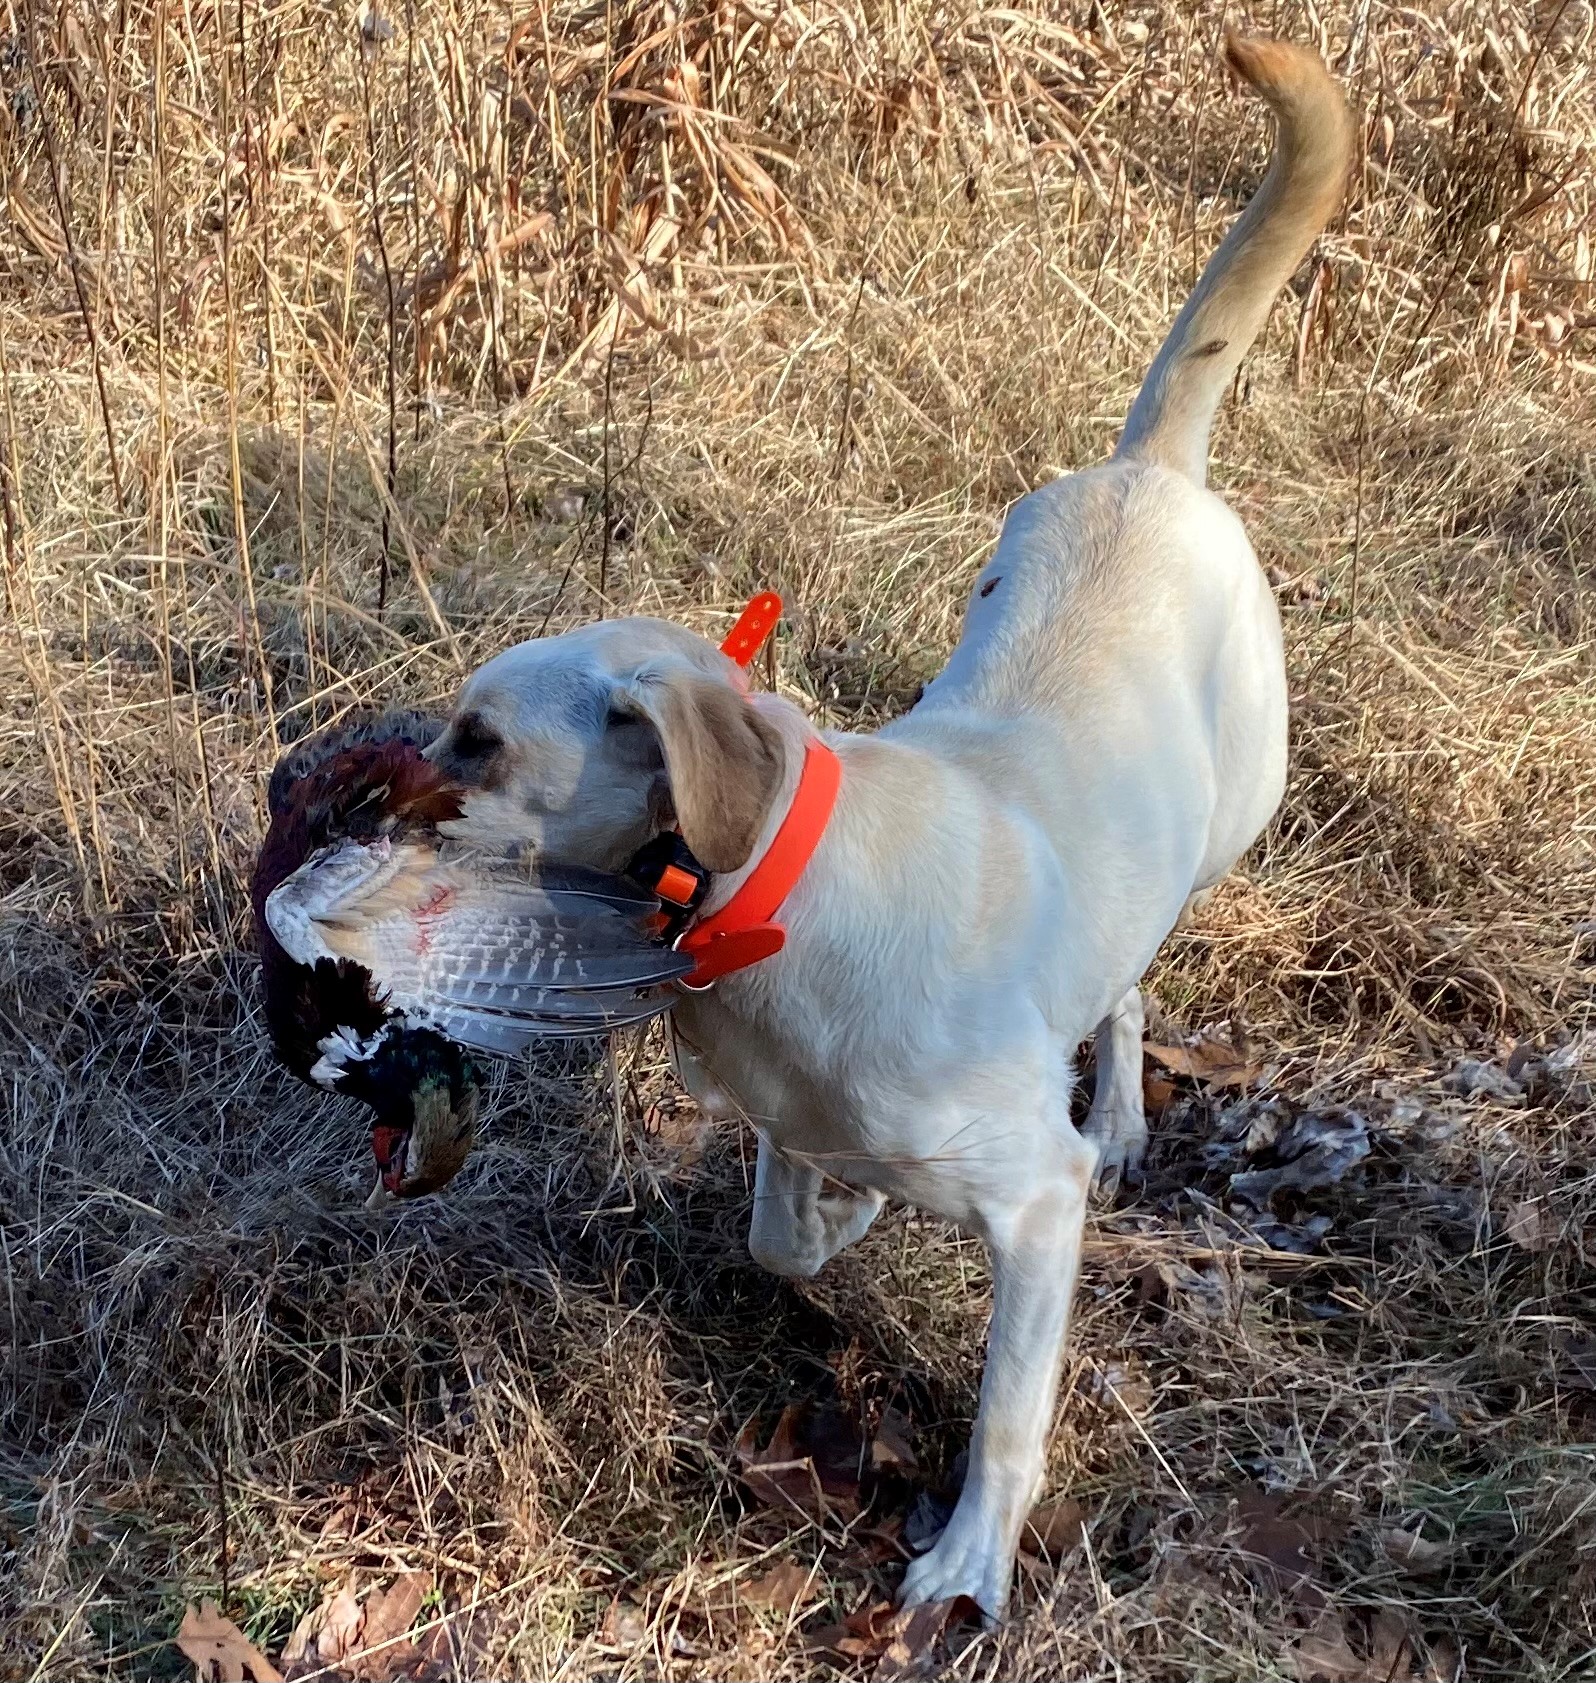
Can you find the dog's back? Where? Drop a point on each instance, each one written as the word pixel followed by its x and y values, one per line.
pixel 1123 606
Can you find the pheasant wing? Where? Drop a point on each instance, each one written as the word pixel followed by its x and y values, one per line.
pixel 487 954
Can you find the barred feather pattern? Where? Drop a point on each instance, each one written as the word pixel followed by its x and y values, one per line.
pixel 482 951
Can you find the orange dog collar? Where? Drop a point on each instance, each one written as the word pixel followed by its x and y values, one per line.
pixel 745 930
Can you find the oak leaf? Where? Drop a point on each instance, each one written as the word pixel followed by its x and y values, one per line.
pixel 902 1644
pixel 1213 1061
pixel 811 1464
pixel 782 1589
pixel 220 1650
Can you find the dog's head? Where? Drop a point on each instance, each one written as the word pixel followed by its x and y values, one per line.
pixel 583 747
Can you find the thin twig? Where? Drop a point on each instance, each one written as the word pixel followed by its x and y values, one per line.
pixel 367 53
pixel 74 267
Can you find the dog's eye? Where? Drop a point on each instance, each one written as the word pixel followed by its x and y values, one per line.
pixel 473 739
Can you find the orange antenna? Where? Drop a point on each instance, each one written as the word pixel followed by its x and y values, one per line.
pixel 753 627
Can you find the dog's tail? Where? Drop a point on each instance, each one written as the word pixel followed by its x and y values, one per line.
pixel 1170 420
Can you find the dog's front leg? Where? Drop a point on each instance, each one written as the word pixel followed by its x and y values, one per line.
pixel 1036 1254
pixel 801 1219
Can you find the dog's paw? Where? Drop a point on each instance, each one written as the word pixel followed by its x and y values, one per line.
pixel 1120 1143
pixel 976 1566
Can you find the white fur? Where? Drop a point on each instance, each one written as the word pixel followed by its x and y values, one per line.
pixel 1107 739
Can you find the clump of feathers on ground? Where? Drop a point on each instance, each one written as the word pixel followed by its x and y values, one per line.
pixel 339 349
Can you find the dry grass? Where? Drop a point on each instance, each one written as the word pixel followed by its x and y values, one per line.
pixel 330 366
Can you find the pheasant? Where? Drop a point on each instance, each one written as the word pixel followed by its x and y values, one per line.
pixel 390 957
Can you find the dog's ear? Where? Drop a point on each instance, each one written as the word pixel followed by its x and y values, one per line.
pixel 723 758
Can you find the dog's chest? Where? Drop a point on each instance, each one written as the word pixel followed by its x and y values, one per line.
pixel 737 1070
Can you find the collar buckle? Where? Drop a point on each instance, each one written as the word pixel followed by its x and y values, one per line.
pixel 720 953
pixel 685 983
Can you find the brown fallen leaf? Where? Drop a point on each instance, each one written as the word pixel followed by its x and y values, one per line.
pixel 862 1635
pixel 459 1645
pixel 1179 1583
pixel 220 1650
pixel 624 1626
pixel 1150 1285
pixel 1576 1364
pixel 1328 1653
pixel 885 1541
pixel 386 1652
pixel 1446 1662
pixel 299 1650
pixel 342 1621
pixel 365 1643
pixel 811 1464
pixel 889 1445
pixel 1414 1553
pixel 681 1128
pixel 902 1644
pixel 1391 1648
pixel 1054 1528
pixel 1116 1387
pixel 915 1633
pixel 1209 1059
pixel 1276 1543
pixel 343 1521
pixel 1533 1227
pixel 1324 1655
pixel 1157 1096
pixel 782 1589
pixel 778 1475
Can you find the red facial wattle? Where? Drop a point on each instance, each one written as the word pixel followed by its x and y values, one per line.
pixel 390 1147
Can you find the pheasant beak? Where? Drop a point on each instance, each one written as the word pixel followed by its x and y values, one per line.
pixel 390 1146
pixel 427 1154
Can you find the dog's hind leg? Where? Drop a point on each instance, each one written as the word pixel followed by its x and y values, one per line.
pixel 1116 1125
pixel 801 1217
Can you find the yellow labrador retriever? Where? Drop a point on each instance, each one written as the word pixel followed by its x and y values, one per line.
pixel 1000 865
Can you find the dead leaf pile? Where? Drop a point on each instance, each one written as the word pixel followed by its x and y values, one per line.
pixel 1473 1078
pixel 818 1462
pixel 369 1642
pixel 1279 1167
pixel 900 1644
pixel 1531 1074
pixel 1385 1649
